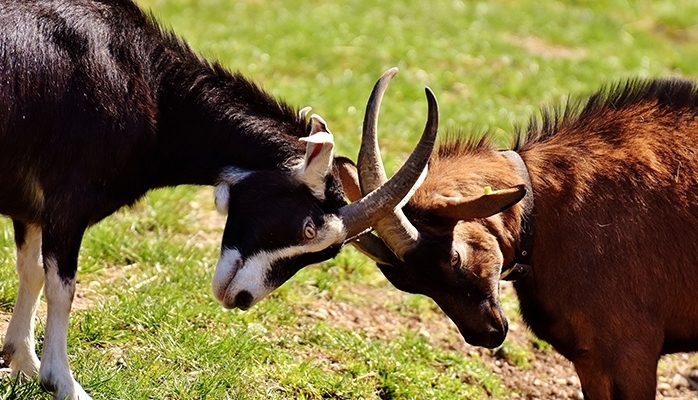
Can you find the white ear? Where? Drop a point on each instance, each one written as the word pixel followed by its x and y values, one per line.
pixel 318 156
pixel 230 176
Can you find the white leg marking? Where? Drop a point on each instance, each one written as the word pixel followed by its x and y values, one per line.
pixel 19 340
pixel 55 372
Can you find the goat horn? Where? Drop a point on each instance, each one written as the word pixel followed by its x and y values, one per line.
pixel 386 196
pixel 373 247
pixel 369 163
pixel 395 229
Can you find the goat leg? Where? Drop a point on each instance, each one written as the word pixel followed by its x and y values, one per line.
pixel 19 352
pixel 60 249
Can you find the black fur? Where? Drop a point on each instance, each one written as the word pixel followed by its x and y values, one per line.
pixel 98 105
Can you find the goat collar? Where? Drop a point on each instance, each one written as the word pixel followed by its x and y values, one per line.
pixel 522 257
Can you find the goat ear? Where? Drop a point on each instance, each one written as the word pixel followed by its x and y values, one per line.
pixel 349 176
pixel 318 156
pixel 455 206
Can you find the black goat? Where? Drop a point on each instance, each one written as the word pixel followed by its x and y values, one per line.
pixel 98 105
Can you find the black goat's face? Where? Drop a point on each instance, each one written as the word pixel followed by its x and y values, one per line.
pixel 460 272
pixel 278 222
pixel 282 220
pixel 275 227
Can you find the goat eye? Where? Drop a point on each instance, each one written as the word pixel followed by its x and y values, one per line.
pixel 455 258
pixel 309 230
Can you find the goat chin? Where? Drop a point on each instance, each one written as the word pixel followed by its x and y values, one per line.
pixel 489 335
pixel 485 328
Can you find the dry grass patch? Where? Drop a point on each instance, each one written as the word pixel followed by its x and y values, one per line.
pixel 539 47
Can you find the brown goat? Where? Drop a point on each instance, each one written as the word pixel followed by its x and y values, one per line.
pixel 613 279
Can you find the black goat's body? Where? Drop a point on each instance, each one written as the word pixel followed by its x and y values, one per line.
pixel 98 105
pixel 54 120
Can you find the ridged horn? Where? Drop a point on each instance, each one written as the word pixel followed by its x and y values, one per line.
pixel 383 198
pixel 395 229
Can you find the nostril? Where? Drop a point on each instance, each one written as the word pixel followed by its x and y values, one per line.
pixel 243 300
pixel 498 318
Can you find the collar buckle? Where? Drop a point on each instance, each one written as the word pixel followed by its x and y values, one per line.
pixel 515 272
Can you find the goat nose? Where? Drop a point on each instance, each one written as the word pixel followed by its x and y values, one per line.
pixel 243 300
pixel 499 320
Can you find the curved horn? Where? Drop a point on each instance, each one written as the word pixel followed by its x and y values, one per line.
pixel 369 163
pixel 395 229
pixel 374 206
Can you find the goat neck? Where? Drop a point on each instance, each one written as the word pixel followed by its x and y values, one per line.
pixel 524 251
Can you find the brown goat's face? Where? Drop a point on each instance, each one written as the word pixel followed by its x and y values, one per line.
pixel 460 271
pixel 439 244
pixel 456 259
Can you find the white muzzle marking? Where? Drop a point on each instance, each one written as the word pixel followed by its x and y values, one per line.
pixel 235 275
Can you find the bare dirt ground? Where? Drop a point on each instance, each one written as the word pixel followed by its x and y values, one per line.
pixel 548 376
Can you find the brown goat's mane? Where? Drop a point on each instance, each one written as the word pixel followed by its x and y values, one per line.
pixel 669 95
pixel 457 144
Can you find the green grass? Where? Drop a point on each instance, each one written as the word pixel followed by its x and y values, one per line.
pixel 149 327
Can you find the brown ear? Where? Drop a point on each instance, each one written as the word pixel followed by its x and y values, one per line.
pixel 349 177
pixel 457 207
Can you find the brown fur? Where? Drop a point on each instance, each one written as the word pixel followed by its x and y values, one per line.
pixel 614 279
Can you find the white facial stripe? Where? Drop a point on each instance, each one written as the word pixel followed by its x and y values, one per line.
pixel 226 269
pixel 229 280
pixel 221 197
pixel 250 278
pixel 230 176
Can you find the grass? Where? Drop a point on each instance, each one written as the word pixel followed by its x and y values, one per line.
pixel 147 326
